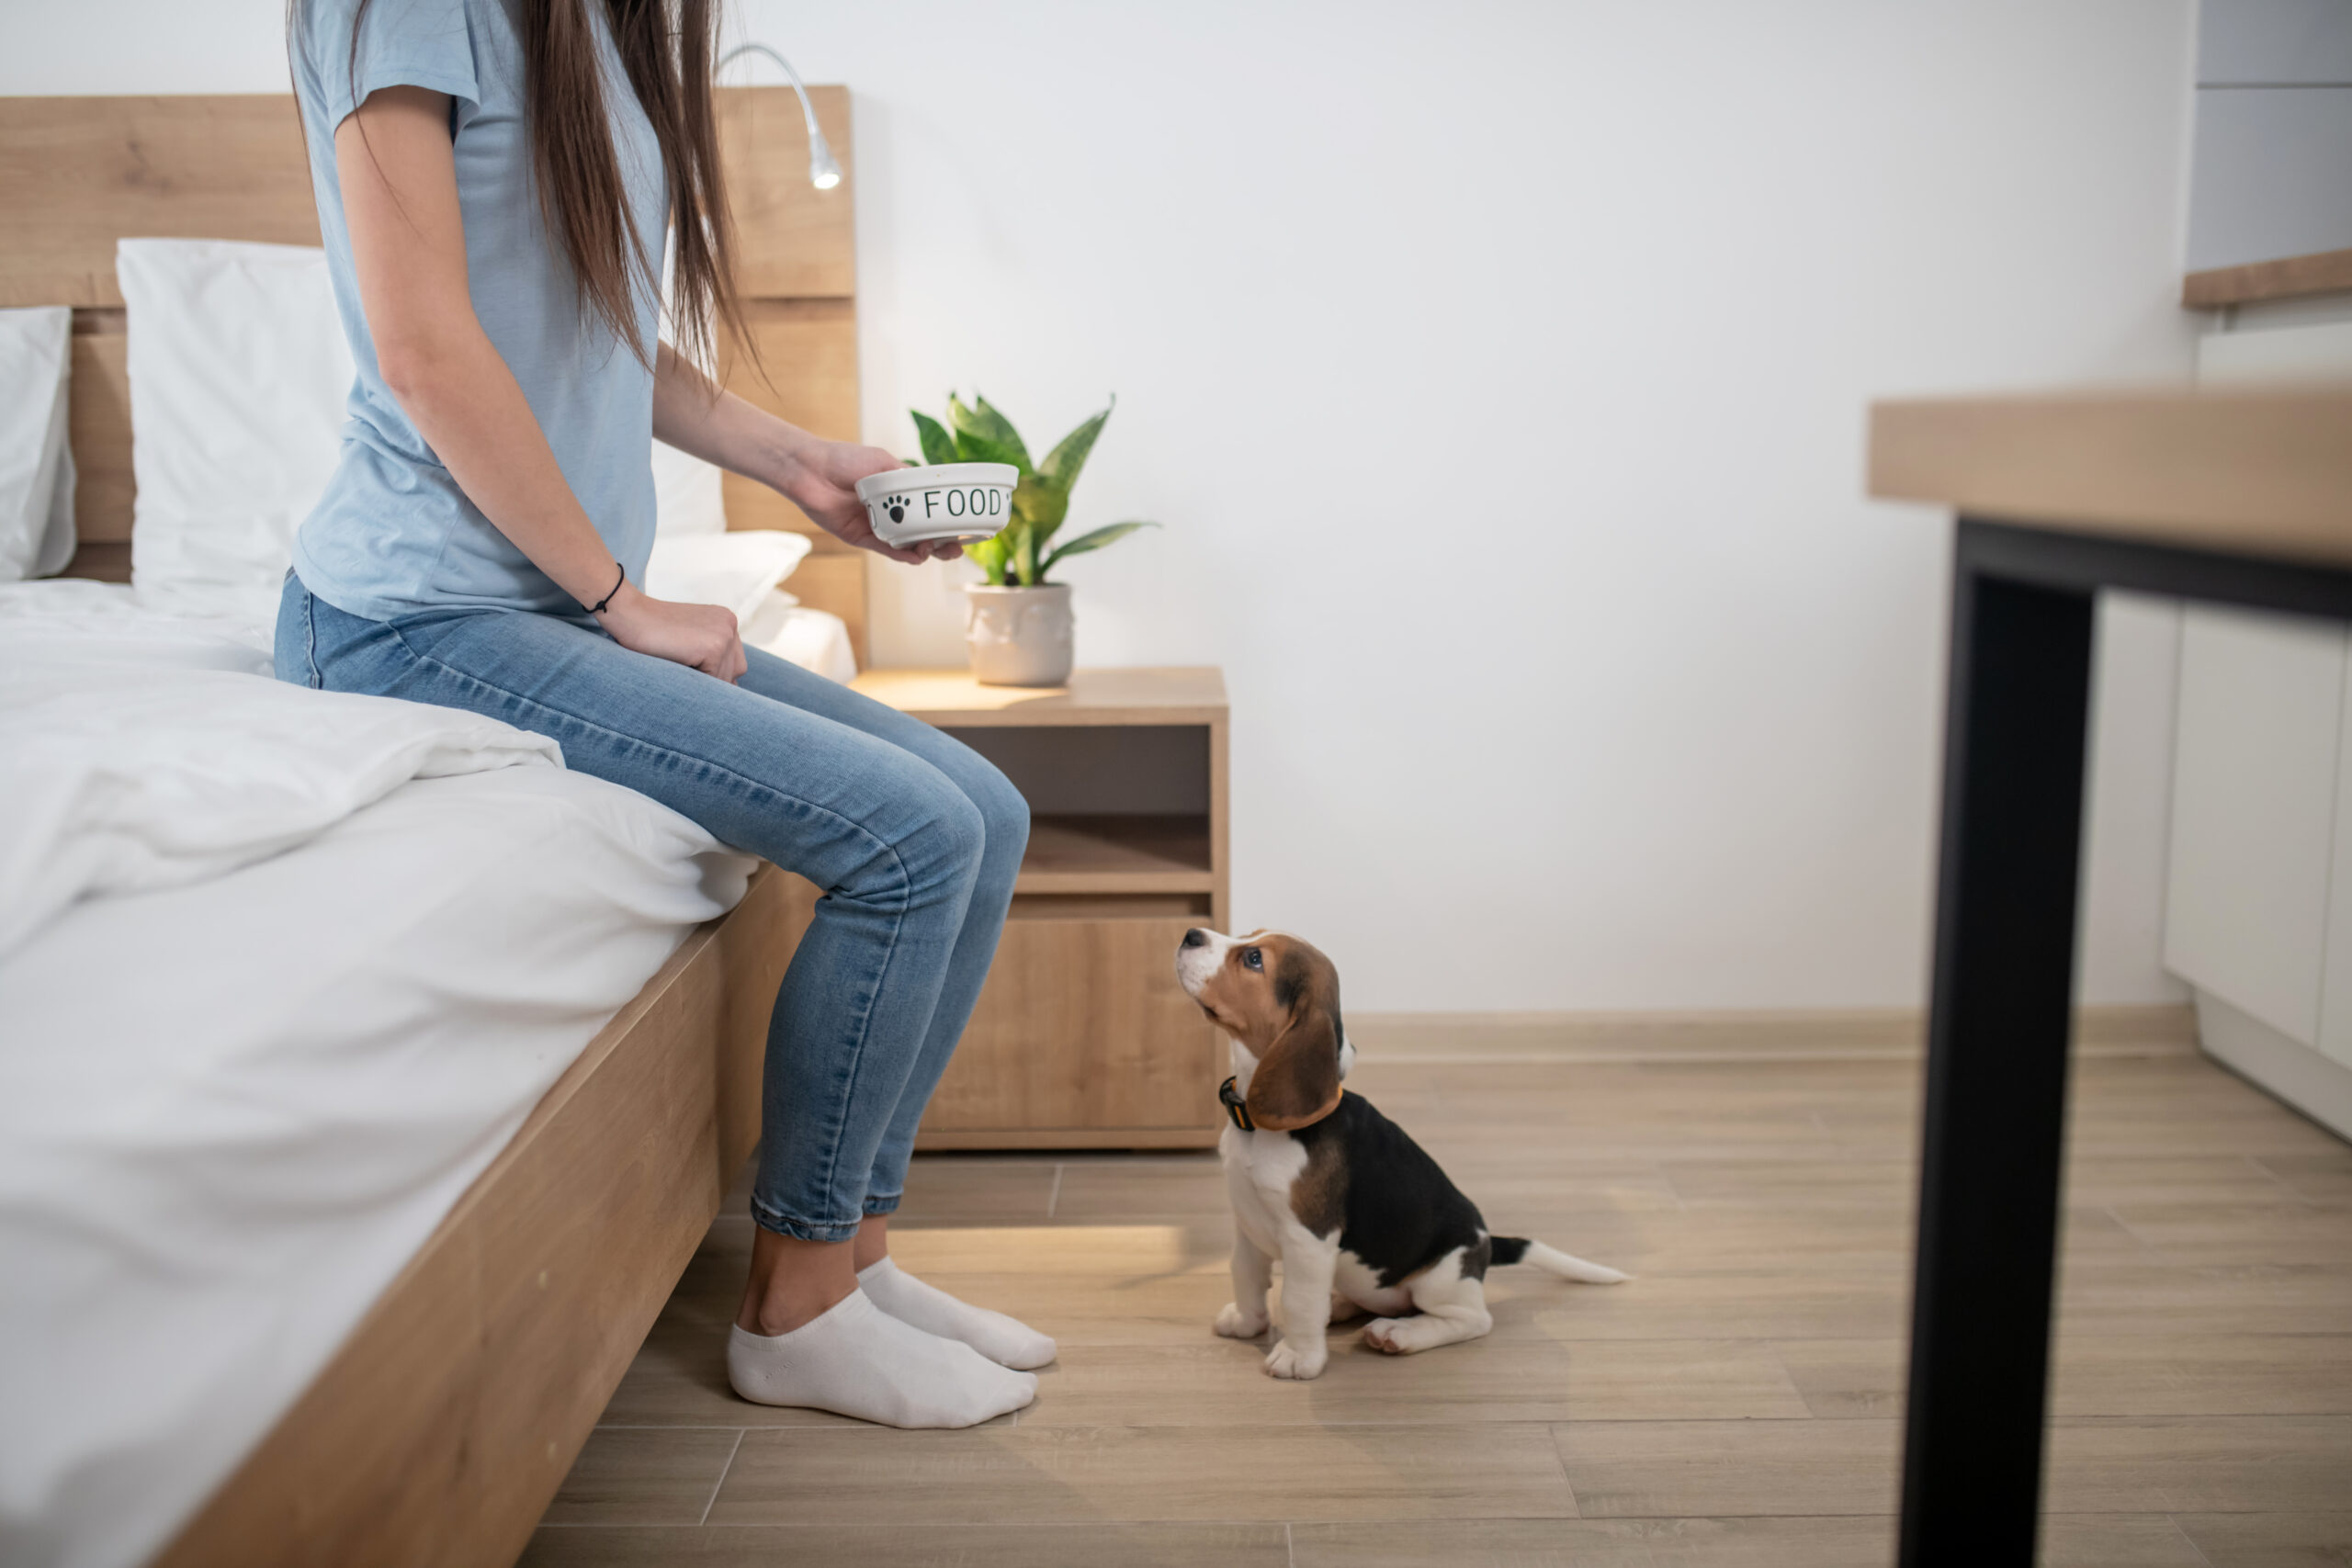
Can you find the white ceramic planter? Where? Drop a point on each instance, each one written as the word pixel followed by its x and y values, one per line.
pixel 1018 637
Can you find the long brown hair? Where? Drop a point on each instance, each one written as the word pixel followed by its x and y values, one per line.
pixel 666 47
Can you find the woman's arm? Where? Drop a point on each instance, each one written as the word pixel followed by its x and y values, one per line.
pixel 398 173
pixel 819 476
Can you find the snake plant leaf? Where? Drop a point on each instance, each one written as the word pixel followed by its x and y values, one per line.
pixel 989 554
pixel 982 424
pixel 1024 555
pixel 958 421
pixel 996 427
pixel 938 446
pixel 973 448
pixel 1109 533
pixel 1040 504
pixel 1063 463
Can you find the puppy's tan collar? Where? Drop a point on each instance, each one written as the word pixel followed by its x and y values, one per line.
pixel 1237 1108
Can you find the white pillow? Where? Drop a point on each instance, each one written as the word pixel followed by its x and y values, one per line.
pixel 36 466
pixel 239 374
pixel 688 494
pixel 737 570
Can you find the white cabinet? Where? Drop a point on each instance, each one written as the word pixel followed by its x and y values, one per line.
pixel 2259 897
pixel 2273 131
pixel 2254 812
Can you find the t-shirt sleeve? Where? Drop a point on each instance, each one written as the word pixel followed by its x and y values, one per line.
pixel 402 43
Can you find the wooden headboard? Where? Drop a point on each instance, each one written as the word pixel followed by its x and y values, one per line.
pixel 76 175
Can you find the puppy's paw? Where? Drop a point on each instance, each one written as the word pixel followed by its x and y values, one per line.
pixel 1295 1361
pixel 1235 1323
pixel 1390 1337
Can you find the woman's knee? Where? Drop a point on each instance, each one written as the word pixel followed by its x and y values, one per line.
pixel 954 819
pixel 947 832
pixel 1005 810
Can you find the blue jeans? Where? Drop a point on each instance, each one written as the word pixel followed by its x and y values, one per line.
pixel 914 838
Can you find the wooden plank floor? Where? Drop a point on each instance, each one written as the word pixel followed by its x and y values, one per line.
pixel 1737 1403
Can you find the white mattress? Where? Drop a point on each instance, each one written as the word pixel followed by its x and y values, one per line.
pixel 234 1099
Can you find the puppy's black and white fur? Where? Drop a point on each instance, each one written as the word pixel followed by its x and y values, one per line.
pixel 1358 1213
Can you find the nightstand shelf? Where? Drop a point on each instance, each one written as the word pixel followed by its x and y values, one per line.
pixel 1082 1039
pixel 1117 854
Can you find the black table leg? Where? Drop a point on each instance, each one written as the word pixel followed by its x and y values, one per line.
pixel 1997 1068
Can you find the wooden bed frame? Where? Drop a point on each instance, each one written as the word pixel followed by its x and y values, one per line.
pixel 444 1426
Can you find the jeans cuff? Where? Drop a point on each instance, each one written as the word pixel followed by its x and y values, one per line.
pixel 774 1220
pixel 875 1205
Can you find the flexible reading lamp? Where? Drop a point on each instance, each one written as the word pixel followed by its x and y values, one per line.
pixel 823 171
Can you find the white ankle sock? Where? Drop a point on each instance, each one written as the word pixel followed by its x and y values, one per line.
pixel 856 1360
pixel 1005 1340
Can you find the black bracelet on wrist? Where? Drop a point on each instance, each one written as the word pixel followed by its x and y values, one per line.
pixel 598 607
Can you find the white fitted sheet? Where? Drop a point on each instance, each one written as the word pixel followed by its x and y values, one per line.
pixel 232 1111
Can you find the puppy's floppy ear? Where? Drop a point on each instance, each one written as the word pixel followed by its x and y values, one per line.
pixel 1297 1080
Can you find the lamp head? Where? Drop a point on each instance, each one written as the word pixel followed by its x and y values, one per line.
pixel 823 171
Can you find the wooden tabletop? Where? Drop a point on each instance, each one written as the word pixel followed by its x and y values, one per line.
pixel 951 699
pixel 2256 473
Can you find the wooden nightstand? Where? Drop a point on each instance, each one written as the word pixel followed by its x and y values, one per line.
pixel 1082 1038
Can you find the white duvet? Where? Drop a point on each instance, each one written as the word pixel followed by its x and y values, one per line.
pixel 127 780
pixel 280 973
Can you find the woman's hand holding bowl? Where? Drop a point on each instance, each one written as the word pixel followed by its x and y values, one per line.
pixel 822 479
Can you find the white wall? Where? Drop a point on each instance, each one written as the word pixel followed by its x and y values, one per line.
pixel 1499 370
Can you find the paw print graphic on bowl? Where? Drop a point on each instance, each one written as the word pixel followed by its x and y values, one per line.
pixel 896 508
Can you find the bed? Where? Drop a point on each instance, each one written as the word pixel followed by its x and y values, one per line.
pixel 406 1176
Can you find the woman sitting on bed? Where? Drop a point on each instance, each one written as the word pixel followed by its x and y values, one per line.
pixel 495 181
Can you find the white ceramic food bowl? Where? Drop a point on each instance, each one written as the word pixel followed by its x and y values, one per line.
pixel 963 501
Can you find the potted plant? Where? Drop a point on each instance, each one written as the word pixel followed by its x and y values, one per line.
pixel 1020 622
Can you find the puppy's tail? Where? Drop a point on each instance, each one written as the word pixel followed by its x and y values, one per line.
pixel 1552 1260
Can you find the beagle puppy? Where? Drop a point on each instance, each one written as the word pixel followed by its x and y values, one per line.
pixel 1359 1214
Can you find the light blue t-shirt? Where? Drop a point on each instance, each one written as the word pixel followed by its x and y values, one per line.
pixel 394 532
